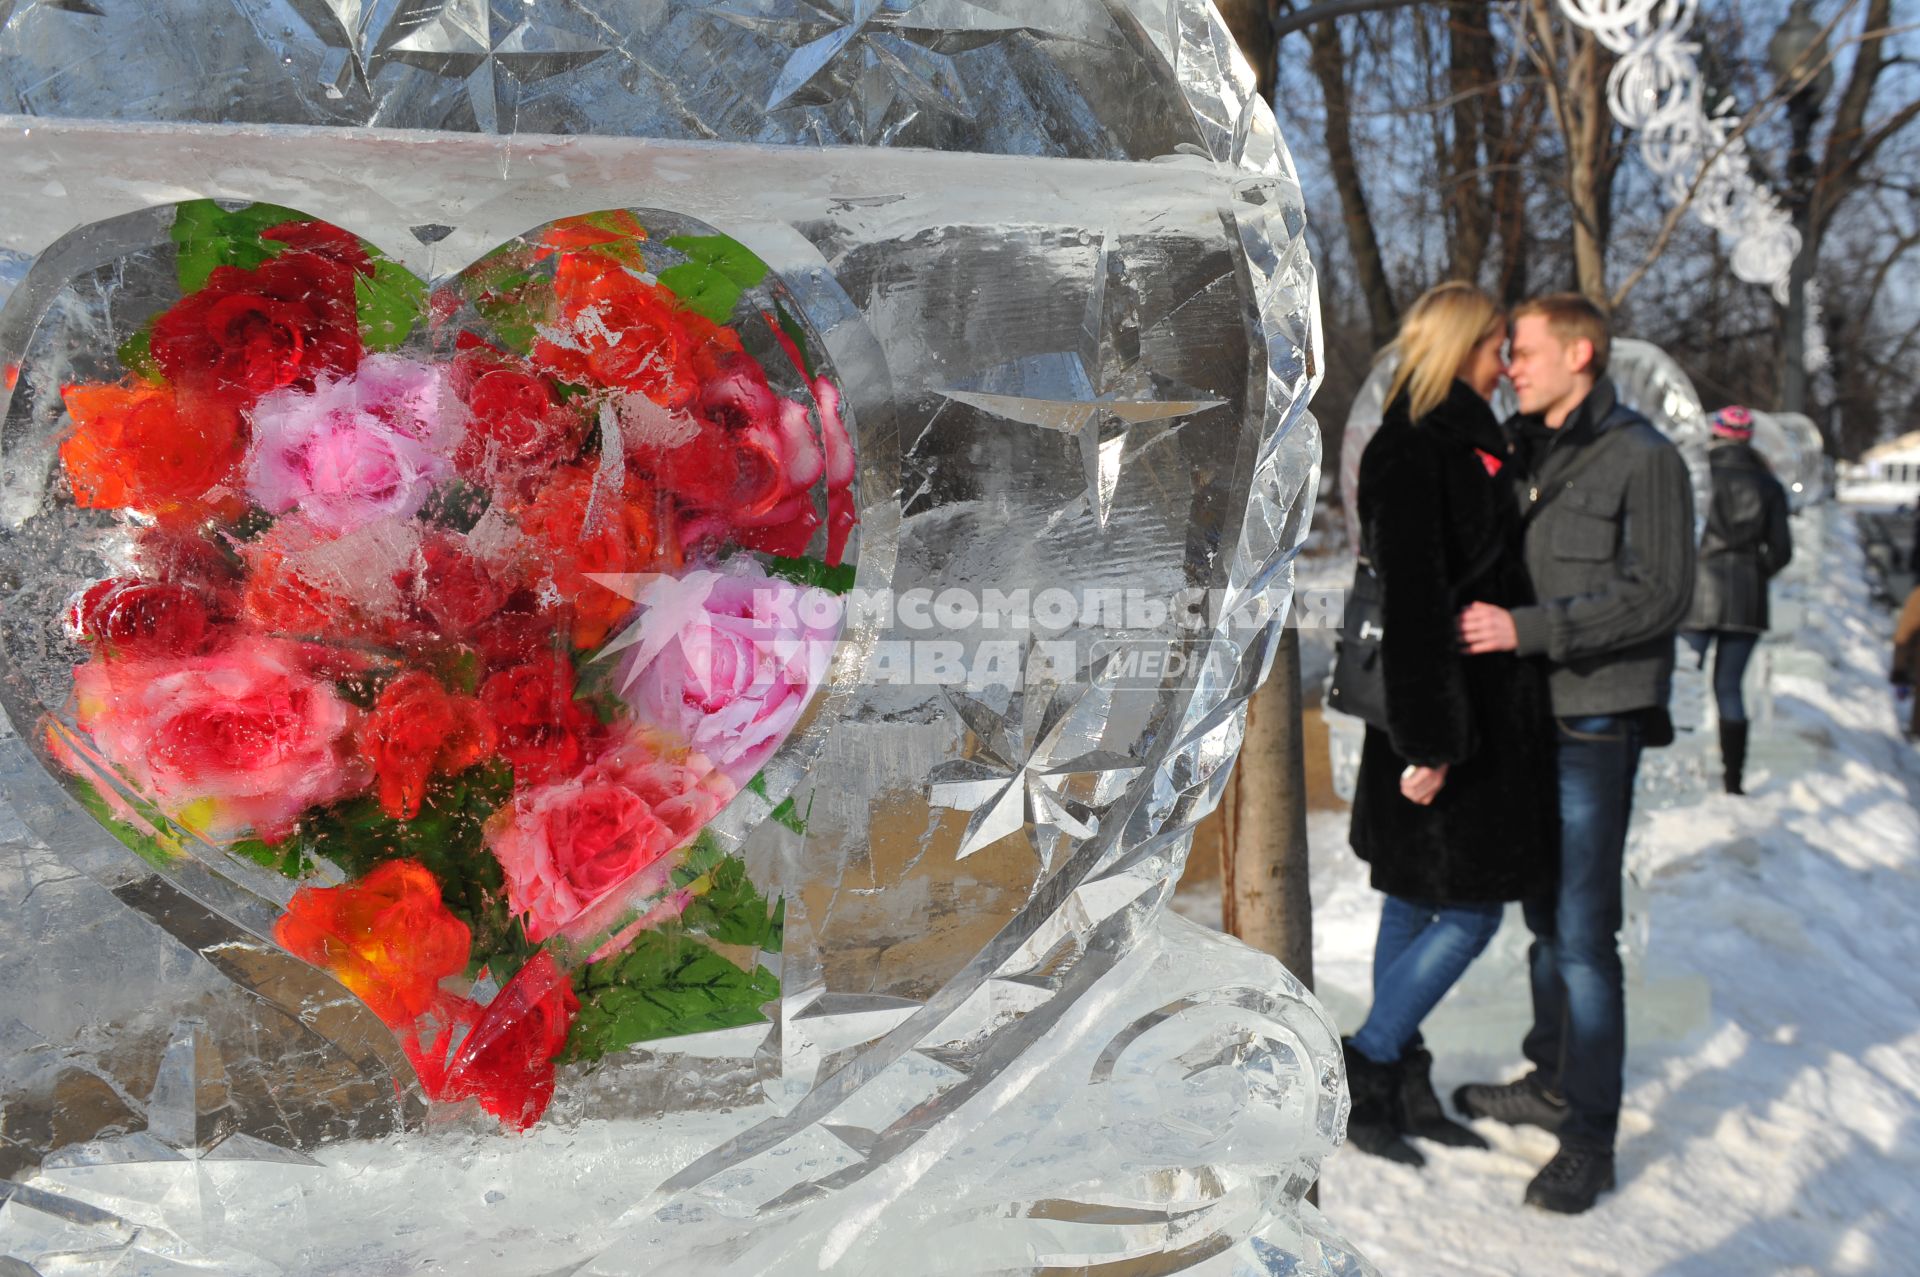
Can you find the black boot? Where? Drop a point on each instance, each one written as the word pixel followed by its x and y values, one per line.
pixel 1371 1125
pixel 1573 1180
pixel 1526 1102
pixel 1420 1111
pixel 1733 753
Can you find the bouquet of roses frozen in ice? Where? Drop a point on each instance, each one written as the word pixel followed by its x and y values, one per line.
pixel 467 612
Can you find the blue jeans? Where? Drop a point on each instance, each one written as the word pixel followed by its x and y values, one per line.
pixel 1578 1042
pixel 1735 649
pixel 1421 951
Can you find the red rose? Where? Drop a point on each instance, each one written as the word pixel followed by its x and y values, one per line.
pixel 786 532
pixel 451 587
pixel 500 1054
pixel 279 598
pixel 543 731
pixel 418 730
pixel 387 937
pixel 747 475
pixel 521 629
pixel 137 618
pixel 566 849
pixel 517 426
pixel 251 331
pixel 716 347
pixel 685 794
pixel 188 559
pixel 244 736
pixel 326 240
pixel 720 471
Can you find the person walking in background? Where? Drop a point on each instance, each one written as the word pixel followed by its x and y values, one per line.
pixel 1906 660
pixel 1609 546
pixel 1746 542
pixel 1455 808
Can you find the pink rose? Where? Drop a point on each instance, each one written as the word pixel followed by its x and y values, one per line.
pixel 242 738
pixel 725 662
pixel 356 448
pixel 577 852
pixel 747 468
pixel 684 794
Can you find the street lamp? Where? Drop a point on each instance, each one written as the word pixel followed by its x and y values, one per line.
pixel 1796 47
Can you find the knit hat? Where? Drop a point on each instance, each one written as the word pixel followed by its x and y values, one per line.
pixel 1732 422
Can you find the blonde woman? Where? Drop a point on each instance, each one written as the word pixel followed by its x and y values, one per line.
pixel 1456 809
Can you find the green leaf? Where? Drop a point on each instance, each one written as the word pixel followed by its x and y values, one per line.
pixel 141 844
pixel 389 303
pixel 508 295
pixel 665 985
pixel 136 355
pixel 288 859
pixel 448 837
pixel 251 523
pixel 458 505
pixel 596 685
pixel 731 910
pixel 834 580
pixel 789 815
pixel 717 272
pixel 798 336
pixel 206 236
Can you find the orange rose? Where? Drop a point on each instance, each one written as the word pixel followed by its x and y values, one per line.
pixel 387 937
pixel 142 447
pixel 615 331
pixel 568 534
pixel 419 730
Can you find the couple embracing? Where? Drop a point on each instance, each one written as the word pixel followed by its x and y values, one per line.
pixel 1531 577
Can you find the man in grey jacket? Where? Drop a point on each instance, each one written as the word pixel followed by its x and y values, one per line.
pixel 1609 543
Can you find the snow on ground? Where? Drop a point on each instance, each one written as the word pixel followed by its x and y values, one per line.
pixel 1773 1075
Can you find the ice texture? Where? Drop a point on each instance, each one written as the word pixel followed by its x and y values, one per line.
pixel 1055 253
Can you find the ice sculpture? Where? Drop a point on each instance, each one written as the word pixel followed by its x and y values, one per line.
pixel 1791 443
pixel 1651 382
pixel 988 327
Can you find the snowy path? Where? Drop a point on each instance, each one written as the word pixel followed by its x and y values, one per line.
pixel 1773 1085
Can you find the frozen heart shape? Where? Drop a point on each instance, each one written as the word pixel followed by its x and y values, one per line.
pixel 467 608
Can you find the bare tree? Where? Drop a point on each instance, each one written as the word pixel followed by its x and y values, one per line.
pixel 1252 25
pixel 1574 67
pixel 1329 65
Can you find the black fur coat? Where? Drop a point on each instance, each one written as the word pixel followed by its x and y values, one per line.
pixel 1430 508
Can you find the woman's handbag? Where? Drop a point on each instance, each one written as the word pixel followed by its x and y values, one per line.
pixel 1359 679
pixel 1359 684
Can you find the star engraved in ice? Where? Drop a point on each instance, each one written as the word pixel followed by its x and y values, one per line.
pixel 484 44
pixel 1091 393
pixel 1016 778
pixel 889 59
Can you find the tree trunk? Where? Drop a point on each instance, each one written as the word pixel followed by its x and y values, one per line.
pixel 1512 134
pixel 1574 69
pixel 1471 76
pixel 1264 895
pixel 1589 179
pixel 1251 22
pixel 1329 64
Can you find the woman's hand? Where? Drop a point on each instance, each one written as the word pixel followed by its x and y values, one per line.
pixel 1423 784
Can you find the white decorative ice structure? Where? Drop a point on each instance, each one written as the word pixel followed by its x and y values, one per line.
pixel 1055 252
